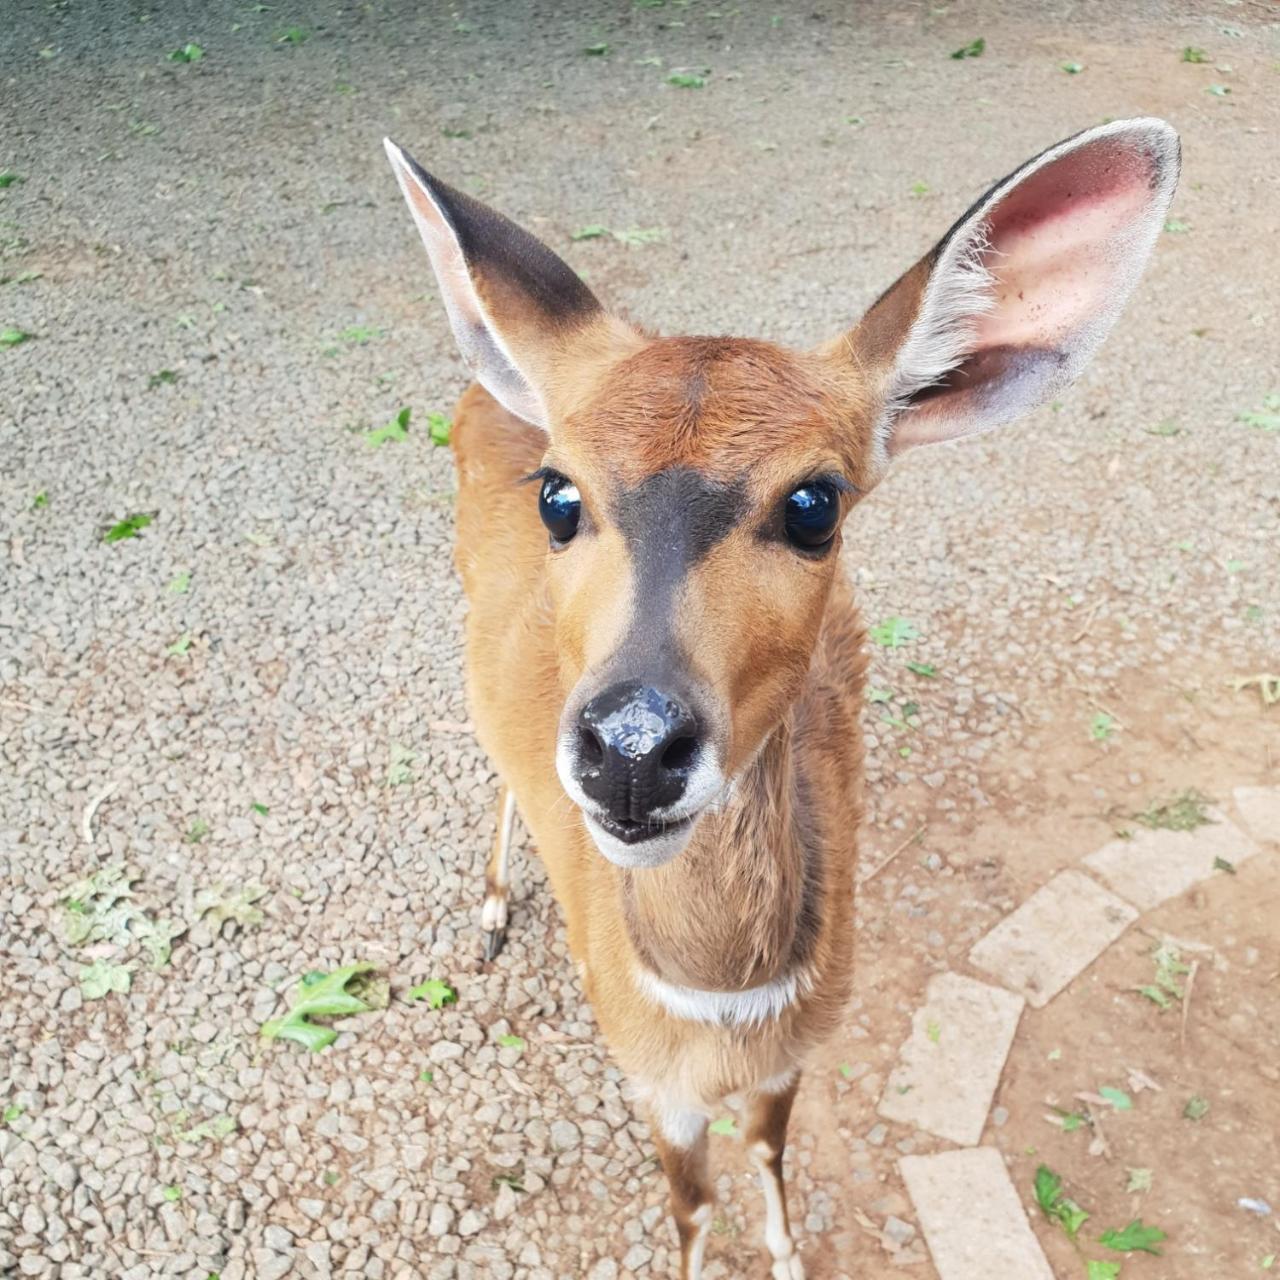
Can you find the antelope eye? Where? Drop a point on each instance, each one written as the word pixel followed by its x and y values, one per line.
pixel 560 506
pixel 811 514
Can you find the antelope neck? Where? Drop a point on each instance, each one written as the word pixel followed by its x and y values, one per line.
pixel 725 931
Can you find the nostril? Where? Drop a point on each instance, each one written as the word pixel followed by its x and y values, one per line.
pixel 590 752
pixel 680 754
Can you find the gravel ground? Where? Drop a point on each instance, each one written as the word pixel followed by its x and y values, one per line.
pixel 268 677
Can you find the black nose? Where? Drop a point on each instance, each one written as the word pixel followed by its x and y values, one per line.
pixel 636 749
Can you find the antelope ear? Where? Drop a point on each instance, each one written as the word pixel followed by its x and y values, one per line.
pixel 1018 295
pixel 512 303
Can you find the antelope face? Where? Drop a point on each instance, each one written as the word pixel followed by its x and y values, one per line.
pixel 688 583
pixel 693 488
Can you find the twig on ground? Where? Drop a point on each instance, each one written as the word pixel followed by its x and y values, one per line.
pixel 906 844
pixel 1088 622
pixel 86 822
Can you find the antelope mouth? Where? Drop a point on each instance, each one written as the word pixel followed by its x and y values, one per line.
pixel 638 832
pixel 635 846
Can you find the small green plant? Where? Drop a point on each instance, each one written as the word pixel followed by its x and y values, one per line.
pixel 1055 1205
pixel 437 994
pixel 1265 419
pixel 13 1113
pixel 511 1042
pixel 215 1130
pixel 1101 1270
pixel 925 669
pixel 1073 68
pixel 439 428
pixel 919 189
pixel 197 831
pixel 260 809
pixel 12 337
pixel 360 335
pixel 318 995
pixel 180 646
pixel 101 978
pixel 1135 1238
pixel 1169 968
pixel 594 231
pixel 1184 812
pixel 395 430
pixel 974 49
pixel 1102 727
pixel 179 583
pixel 688 79
pixel 164 378
pixel 293 35
pixel 1192 54
pixel 221 903
pixel 1116 1097
pixel 400 769
pixel 8 178
pixel 596 50
pixel 40 501
pixel 1196 1109
pixel 1219 90
pixel 893 633
pixel 172 1194
pixel 129 527
pixel 1176 226
pixel 725 1126
pixel 188 53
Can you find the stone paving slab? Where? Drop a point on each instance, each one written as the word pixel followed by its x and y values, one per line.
pixel 1153 866
pixel 972 1218
pixel 1057 933
pixel 1260 811
pixel 949 1068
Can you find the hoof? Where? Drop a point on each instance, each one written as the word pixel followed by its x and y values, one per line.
pixel 788 1268
pixel 494 941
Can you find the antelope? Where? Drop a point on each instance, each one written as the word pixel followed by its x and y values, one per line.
pixel 665 663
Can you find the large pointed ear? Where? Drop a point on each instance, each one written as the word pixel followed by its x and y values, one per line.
pixel 515 307
pixel 1018 295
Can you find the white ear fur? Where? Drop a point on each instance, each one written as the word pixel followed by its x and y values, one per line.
pixel 479 339
pixel 973 298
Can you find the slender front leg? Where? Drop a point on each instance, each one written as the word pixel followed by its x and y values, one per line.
pixel 681 1139
pixel 766 1139
pixel 497 877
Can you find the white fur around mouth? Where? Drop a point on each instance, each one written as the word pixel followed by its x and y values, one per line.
pixel 662 846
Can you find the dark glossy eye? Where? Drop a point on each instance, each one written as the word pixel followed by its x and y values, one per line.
pixel 811 515
pixel 560 507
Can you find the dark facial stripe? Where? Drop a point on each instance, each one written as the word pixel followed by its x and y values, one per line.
pixel 670 522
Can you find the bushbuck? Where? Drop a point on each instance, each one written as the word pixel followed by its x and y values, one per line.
pixel 664 660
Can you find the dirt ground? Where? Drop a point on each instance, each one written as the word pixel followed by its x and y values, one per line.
pixel 224 294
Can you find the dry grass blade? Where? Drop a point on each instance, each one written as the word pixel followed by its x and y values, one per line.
pixel 1186 1001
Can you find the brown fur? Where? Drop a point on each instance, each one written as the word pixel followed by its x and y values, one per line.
pixel 767 883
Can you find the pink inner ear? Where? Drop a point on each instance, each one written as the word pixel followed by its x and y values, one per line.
pixel 1058 241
